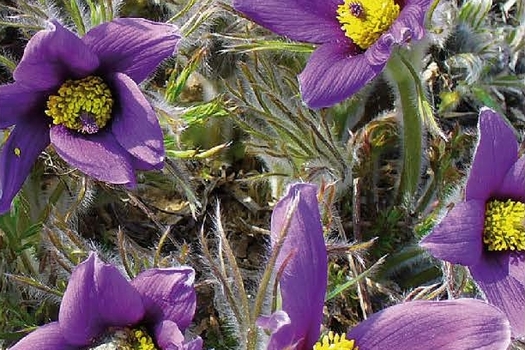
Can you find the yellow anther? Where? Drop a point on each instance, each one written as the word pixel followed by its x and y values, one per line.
pixel 333 341
pixel 364 21
pixel 17 151
pixel 83 105
pixel 143 341
pixel 504 225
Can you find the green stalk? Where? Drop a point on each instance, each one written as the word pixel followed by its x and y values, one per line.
pixel 412 136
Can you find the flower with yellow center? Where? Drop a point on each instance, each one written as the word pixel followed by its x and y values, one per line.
pixel 485 231
pixel 333 341
pixel 353 39
pixel 364 21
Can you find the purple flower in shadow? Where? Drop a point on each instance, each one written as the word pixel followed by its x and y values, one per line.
pixel 485 232
pixel 302 272
pixel 354 38
pixel 81 95
pixel 99 299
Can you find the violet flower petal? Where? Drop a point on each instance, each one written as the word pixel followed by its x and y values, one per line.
pixel 52 56
pixel 168 335
pixel 97 155
pixel 458 238
pixel 18 103
pixel 133 46
pixel 465 324
pixel 513 185
pixel 47 337
pixel 167 294
pixel 313 21
pixel 194 344
pixel 97 296
pixel 22 148
pixel 501 277
pixel 333 73
pixel 135 124
pixel 303 280
pixel 496 152
pixel 274 322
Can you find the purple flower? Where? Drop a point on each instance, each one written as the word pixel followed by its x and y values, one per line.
pixel 355 38
pixel 98 300
pixel 486 231
pixel 302 270
pixel 81 95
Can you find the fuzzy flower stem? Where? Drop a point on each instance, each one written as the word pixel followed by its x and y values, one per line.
pixel 268 272
pixel 412 127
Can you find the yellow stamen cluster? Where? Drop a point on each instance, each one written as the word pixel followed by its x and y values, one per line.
pixel 504 225
pixel 335 342
pixel 144 341
pixel 364 21
pixel 80 103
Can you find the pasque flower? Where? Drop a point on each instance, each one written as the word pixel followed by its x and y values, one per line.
pixel 465 324
pixel 81 95
pixel 150 312
pixel 355 38
pixel 486 231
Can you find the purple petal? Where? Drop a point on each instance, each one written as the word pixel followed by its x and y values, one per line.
pixel 496 152
pixel 195 344
pixel 52 56
pixel 333 73
pixel 513 185
pixel 465 324
pixel 501 277
pixel 97 155
pixel 304 277
pixel 22 148
pixel 313 21
pixel 47 337
pixel 168 335
pixel 135 124
pixel 274 322
pixel 18 102
pixel 458 238
pixel 133 46
pixel 97 297
pixel 168 294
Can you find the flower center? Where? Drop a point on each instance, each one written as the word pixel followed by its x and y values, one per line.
pixel 126 339
pixel 364 21
pixel 335 342
pixel 504 225
pixel 83 105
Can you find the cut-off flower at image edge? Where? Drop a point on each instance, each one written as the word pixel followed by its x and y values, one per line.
pixel 466 324
pixel 99 304
pixel 354 38
pixel 486 232
pixel 81 95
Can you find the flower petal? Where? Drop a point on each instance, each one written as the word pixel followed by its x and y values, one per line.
pixel 18 102
pixel 465 324
pixel 458 238
pixel 97 296
pixel 333 73
pixel 19 153
pixel 496 152
pixel 303 260
pixel 313 21
pixel 133 46
pixel 513 185
pixel 501 277
pixel 167 335
pixel 52 56
pixel 135 124
pixel 195 344
pixel 168 294
pixel 97 155
pixel 47 337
